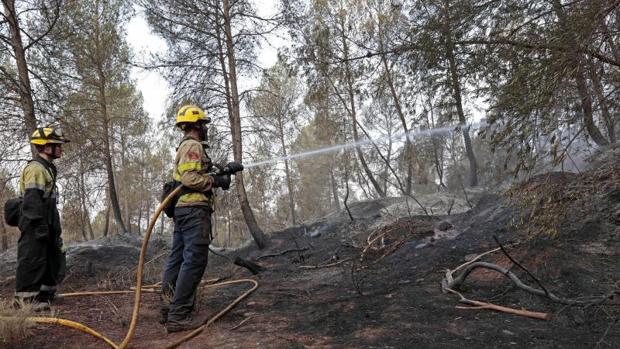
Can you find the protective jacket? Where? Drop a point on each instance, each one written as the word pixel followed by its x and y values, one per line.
pixel 188 257
pixel 40 260
pixel 190 168
pixel 39 211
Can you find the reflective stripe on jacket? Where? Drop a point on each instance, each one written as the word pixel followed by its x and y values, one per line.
pixel 36 176
pixel 190 168
pixel 38 189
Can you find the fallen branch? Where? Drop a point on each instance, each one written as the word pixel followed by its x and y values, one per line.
pixel 613 323
pixel 324 265
pixel 473 260
pixel 520 266
pixel 476 305
pixel 282 253
pixel 449 282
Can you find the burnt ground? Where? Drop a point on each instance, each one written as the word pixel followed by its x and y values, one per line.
pixel 337 291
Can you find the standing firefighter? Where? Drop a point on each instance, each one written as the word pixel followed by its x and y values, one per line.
pixel 40 259
pixel 192 221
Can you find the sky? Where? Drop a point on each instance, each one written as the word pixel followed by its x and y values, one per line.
pixel 154 88
pixel 152 85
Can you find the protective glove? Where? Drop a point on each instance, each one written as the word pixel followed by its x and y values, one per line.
pixel 232 167
pixel 221 181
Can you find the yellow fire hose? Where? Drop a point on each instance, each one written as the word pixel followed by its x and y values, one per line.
pixel 138 292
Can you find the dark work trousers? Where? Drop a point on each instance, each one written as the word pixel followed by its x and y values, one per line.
pixel 40 262
pixel 187 261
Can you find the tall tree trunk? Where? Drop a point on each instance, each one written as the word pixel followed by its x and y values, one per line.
pixel 106 226
pixel 24 88
pixel 455 85
pixel 353 114
pixel 230 80
pixel 103 104
pixel 122 185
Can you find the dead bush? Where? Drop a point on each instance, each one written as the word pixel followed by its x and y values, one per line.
pixel 14 326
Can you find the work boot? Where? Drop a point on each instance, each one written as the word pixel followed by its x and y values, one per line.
pixel 49 296
pixel 30 303
pixel 185 324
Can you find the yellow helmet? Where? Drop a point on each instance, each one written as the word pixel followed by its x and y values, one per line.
pixel 190 113
pixel 47 135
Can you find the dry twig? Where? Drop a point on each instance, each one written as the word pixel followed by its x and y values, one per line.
pixel 241 323
pixel 282 253
pixel 324 265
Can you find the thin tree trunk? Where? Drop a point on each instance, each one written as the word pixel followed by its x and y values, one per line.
pixel 353 114
pixel 148 213
pixel 437 147
pixel 289 182
pixel 457 95
pixel 346 194
pixel 386 173
pixel 83 200
pixel 139 219
pixel 334 185
pixel 588 113
pixel 291 194
pixel 580 80
pixel 230 80
pixel 403 121
pixel 162 225
pixel 24 89
pixel 607 117
pixel 4 237
pixel 106 227
pixel 228 227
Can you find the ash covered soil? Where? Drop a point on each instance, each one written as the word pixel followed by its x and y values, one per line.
pixel 374 282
